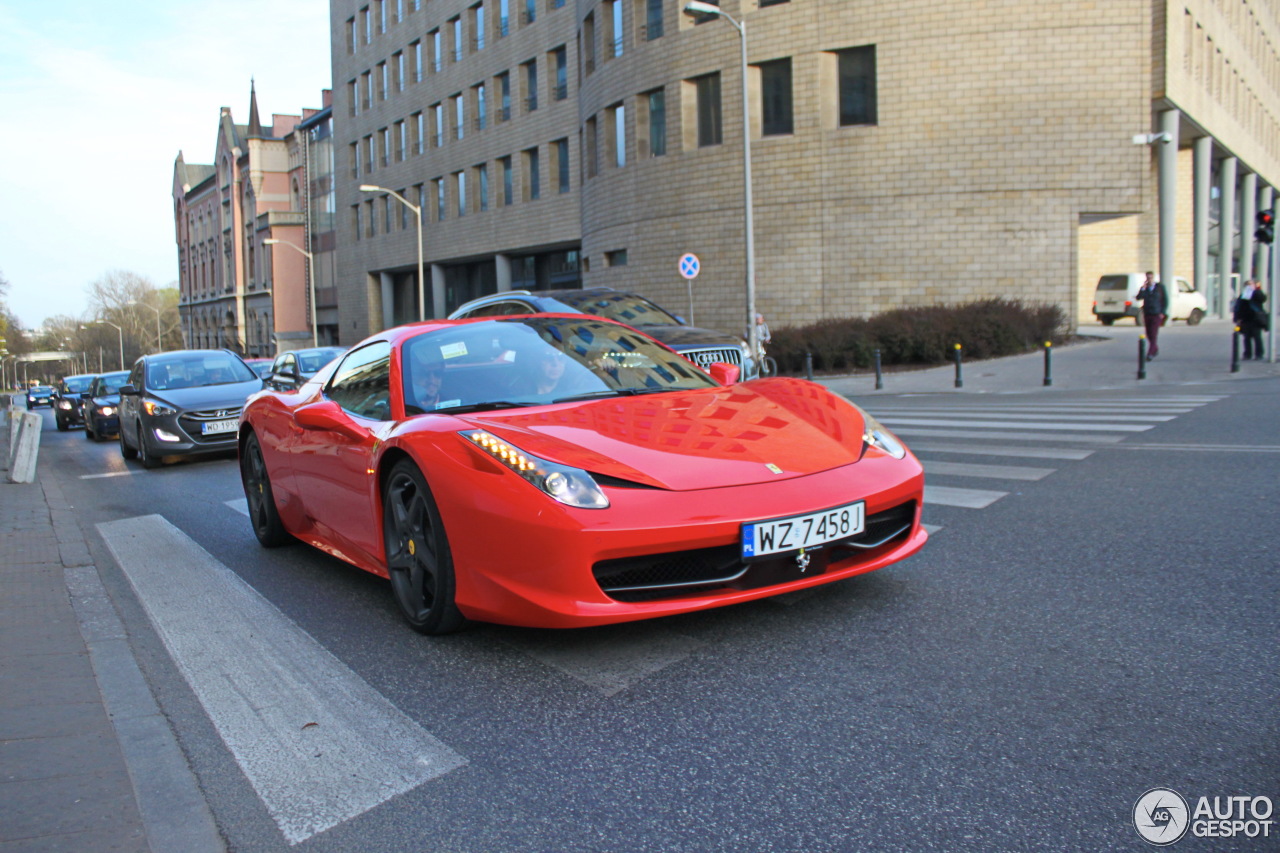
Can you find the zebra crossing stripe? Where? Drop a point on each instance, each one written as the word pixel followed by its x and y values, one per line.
pixel 993 472
pixel 967 498
pixel 919 447
pixel 999 435
pixel 318 744
pixel 1019 424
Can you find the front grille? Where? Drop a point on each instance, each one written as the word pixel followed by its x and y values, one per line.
pixel 192 424
pixel 705 357
pixel 652 577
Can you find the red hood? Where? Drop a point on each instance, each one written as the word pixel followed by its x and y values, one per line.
pixel 693 440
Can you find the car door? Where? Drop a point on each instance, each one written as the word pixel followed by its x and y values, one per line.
pixel 129 403
pixel 332 466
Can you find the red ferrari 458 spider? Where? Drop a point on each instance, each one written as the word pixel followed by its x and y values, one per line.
pixel 566 471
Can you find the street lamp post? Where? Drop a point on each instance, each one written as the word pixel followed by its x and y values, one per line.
pixel 697 7
pixel 118 329
pixel 311 278
pixel 159 336
pixel 417 211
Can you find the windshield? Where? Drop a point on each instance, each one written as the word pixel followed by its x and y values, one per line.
pixel 1113 282
pixel 532 361
pixel 623 307
pixel 77 384
pixel 192 370
pixel 311 360
pixel 109 383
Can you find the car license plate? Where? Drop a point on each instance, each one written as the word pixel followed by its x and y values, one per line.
pixel 211 427
pixel 760 538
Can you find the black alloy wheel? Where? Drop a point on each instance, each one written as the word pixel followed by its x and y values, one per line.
pixel 89 434
pixel 263 514
pixel 145 456
pixel 61 424
pixel 127 450
pixel 418 556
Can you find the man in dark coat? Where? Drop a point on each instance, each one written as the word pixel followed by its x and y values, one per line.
pixel 1155 309
pixel 1251 316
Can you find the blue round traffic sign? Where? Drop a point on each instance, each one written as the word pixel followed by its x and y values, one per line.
pixel 689 265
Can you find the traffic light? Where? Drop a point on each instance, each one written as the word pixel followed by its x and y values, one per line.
pixel 1266 227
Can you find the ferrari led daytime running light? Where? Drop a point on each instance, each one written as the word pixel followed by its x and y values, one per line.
pixel 875 434
pixel 570 486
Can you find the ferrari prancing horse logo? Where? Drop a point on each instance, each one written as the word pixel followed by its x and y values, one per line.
pixel 774 468
pixel 802 560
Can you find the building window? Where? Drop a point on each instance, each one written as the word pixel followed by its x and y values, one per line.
pixel 562 165
pixel 652 19
pixel 592 143
pixel 504 18
pixel 402 140
pixel 382 81
pixel 531 85
pixel 385 133
pixel 771 2
pixel 616 258
pixel 775 96
pixel 419 130
pixel 482 108
pixel 482 186
pixel 440 208
pixel 456 23
pixel 437 55
pixel 587 48
pixel 504 95
pixel 355 221
pixel 656 101
pixel 400 81
pixel 382 16
pixel 708 106
pixel 618 126
pixel 367 88
pixel 353 95
pixel 857 75
pixel 368 153
pixel 560 61
pixel 437 110
pixel 460 190
pixel 351 35
pixel 417 61
pixel 404 211
pixel 533 175
pixel 614 9
pixel 387 214
pixel 508 195
pixel 367 20
pixel 459 116
pixel 530 11
pixel 370 221
pixel 477 25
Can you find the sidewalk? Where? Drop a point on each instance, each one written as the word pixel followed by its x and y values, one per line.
pixel 1106 359
pixel 76 715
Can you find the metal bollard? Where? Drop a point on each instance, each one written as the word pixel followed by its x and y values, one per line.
pixel 1142 356
pixel 808 366
pixel 1048 366
pixel 959 378
pixel 1235 350
pixel 879 378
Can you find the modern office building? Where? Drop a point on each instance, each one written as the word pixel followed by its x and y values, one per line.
pixel 269 184
pixel 902 153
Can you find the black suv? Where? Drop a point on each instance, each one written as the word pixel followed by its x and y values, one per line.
pixel 701 346
pixel 67 409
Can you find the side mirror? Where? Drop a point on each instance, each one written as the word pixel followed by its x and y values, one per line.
pixel 85 395
pixel 724 373
pixel 327 415
pixel 128 391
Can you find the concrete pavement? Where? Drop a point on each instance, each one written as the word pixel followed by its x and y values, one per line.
pixel 87 761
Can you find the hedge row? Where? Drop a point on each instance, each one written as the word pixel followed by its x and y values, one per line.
pixel 919 336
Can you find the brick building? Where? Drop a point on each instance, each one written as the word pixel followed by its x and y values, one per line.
pixel 903 152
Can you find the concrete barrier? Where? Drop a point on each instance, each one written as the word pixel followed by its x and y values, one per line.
pixel 24 446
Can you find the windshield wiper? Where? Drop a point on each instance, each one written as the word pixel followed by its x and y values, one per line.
pixel 611 392
pixel 480 407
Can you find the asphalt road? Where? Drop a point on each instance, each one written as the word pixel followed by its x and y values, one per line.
pixel 1104 623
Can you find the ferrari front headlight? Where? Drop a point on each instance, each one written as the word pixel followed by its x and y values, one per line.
pixel 875 434
pixel 570 486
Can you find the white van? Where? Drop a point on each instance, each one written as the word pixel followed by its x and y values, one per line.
pixel 1117 296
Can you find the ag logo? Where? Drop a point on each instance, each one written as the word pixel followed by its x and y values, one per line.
pixel 1161 816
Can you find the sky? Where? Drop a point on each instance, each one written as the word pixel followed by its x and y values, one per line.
pixel 96 101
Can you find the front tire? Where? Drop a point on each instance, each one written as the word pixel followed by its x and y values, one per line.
pixel 1194 318
pixel 61 424
pixel 1106 321
pixel 127 450
pixel 89 434
pixel 417 551
pixel 148 460
pixel 263 514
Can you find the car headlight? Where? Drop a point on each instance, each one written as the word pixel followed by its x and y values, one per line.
pixel 64 404
pixel 570 486
pixel 107 411
pixel 875 434
pixel 151 407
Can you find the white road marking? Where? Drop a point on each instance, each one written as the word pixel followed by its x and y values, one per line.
pixel 608 659
pixel 988 450
pixel 240 505
pixel 931 528
pixel 318 744
pixel 994 435
pixel 1025 414
pixel 107 474
pixel 994 472
pixel 1014 423
pixel 967 498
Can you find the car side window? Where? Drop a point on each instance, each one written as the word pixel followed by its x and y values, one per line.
pixel 502 309
pixel 135 378
pixel 362 383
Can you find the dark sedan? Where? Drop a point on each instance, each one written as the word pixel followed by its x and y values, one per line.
pixel 292 369
pixel 102 405
pixel 67 402
pixel 701 346
pixel 183 403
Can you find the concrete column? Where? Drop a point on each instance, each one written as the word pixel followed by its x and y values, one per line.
pixel 502 266
pixel 1167 164
pixel 1202 151
pixel 1226 237
pixel 1262 262
pixel 388 284
pixel 1248 209
pixel 437 291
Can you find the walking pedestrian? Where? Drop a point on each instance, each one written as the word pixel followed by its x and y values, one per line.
pixel 1155 310
pixel 1250 315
